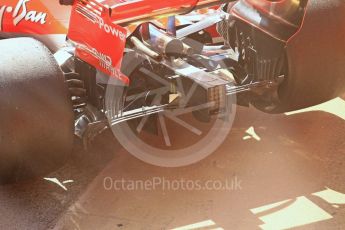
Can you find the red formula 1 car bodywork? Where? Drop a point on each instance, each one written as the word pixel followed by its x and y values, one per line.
pixel 49 21
pixel 33 17
pixel 129 62
pixel 45 20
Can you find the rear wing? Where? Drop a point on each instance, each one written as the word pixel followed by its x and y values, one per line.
pixel 133 11
pixel 97 26
pixel 98 40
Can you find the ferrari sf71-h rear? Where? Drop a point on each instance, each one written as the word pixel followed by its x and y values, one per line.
pixel 137 66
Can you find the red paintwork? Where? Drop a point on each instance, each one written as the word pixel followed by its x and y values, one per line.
pixel 33 17
pixel 101 41
pixel 94 24
pixel 125 9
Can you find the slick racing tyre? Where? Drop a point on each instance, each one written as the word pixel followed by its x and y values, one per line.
pixel 36 118
pixel 314 61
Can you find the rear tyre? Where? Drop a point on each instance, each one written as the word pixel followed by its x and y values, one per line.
pixel 36 117
pixel 315 61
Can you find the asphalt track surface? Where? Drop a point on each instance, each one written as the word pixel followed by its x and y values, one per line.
pixel 287 171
